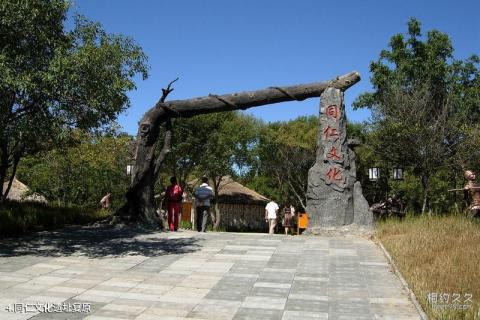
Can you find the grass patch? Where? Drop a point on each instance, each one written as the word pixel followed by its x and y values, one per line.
pixel 437 255
pixel 19 218
pixel 187 225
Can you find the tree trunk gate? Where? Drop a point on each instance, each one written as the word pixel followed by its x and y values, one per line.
pixel 334 197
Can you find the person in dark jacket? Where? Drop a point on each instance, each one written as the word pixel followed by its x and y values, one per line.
pixel 203 195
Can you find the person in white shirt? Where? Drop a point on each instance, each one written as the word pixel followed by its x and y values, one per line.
pixel 203 194
pixel 271 210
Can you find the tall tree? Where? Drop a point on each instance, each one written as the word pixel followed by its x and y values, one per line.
pixel 286 151
pixel 422 102
pixel 212 145
pixel 227 152
pixel 53 80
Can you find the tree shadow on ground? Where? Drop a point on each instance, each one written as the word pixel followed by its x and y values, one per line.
pixel 99 241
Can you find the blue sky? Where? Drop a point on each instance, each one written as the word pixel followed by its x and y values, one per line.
pixel 229 46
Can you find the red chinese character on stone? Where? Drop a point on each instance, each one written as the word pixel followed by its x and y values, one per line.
pixel 333 112
pixel 330 133
pixel 334 174
pixel 333 155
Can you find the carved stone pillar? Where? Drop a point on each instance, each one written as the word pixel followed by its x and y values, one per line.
pixel 334 197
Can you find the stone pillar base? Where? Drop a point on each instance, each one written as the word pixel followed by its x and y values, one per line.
pixel 348 230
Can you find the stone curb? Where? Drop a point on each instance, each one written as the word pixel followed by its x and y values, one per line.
pixel 417 305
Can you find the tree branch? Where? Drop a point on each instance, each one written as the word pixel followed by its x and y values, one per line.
pixel 166 91
pixel 16 160
pixel 168 133
pixel 302 201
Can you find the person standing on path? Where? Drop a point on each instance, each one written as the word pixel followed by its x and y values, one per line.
pixel 173 199
pixel 288 214
pixel 271 210
pixel 203 194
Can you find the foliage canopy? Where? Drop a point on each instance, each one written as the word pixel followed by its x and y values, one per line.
pixel 424 104
pixel 54 80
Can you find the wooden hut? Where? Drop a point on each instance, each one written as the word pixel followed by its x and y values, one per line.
pixel 241 208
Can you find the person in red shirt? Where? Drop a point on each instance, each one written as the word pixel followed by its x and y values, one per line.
pixel 173 199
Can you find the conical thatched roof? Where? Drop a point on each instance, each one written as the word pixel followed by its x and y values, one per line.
pixel 231 191
pixel 20 192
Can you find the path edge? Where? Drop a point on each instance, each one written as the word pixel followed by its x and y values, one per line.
pixel 413 297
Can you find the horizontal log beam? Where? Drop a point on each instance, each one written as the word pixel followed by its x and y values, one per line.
pixel 249 99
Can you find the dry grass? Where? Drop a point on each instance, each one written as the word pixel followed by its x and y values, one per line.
pixel 437 254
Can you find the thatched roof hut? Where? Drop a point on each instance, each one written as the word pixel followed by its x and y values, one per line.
pixel 233 192
pixel 20 192
pixel 241 208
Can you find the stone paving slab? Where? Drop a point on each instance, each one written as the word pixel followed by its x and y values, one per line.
pixel 148 275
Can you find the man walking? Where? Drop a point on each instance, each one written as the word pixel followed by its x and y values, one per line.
pixel 271 211
pixel 203 194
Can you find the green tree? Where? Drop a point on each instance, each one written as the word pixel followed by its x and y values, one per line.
pixel 53 80
pixel 212 145
pixel 83 172
pixel 286 151
pixel 422 104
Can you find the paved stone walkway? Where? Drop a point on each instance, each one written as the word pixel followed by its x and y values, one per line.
pixel 135 274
